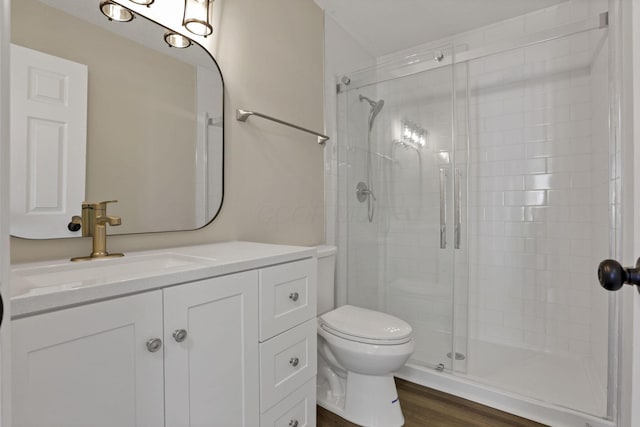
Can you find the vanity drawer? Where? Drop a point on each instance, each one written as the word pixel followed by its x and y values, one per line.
pixel 298 409
pixel 287 296
pixel 287 361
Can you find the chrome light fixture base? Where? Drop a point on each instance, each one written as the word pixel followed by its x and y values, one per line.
pixel 176 40
pixel 115 12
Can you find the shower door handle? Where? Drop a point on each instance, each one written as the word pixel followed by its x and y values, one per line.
pixel 612 275
pixel 443 208
pixel 457 209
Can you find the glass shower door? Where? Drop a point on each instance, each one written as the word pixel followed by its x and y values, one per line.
pixel 489 189
pixel 403 200
pixel 542 213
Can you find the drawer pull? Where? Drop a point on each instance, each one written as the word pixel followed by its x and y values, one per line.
pixel 294 361
pixel 154 344
pixel 293 296
pixel 293 423
pixel 180 335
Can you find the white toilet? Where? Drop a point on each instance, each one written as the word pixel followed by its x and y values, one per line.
pixel 358 351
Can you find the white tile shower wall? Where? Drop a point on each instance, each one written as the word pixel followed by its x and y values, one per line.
pixel 416 266
pixel 534 196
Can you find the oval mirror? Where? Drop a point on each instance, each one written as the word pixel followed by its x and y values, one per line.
pixel 107 110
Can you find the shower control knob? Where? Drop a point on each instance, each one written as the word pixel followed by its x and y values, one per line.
pixel 612 275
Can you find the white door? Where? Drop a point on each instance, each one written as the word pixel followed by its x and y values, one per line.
pixel 630 393
pixel 211 377
pixel 48 143
pixel 5 335
pixel 90 365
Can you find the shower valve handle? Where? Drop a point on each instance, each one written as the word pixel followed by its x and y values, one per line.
pixel 612 275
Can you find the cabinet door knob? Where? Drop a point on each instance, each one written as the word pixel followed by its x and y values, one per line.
pixel 294 361
pixel 293 423
pixel 293 296
pixel 180 335
pixel 154 344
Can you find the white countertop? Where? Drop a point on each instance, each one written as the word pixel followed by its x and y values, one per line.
pixel 202 261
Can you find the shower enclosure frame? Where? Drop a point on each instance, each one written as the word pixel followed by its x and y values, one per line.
pixel 419 63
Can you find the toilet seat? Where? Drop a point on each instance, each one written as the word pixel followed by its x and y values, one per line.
pixel 365 326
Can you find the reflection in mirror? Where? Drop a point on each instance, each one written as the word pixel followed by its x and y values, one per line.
pixel 106 110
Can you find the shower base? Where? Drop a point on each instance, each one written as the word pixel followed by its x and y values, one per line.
pixel 562 380
pixel 557 390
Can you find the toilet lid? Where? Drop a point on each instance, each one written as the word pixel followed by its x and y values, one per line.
pixel 360 324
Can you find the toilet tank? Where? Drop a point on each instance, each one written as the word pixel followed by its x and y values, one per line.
pixel 326 278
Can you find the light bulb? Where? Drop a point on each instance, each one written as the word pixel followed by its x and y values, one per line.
pixel 406 133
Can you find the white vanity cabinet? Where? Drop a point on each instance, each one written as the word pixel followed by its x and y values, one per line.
pixel 90 365
pixel 288 344
pixel 232 349
pixel 211 352
pixel 102 364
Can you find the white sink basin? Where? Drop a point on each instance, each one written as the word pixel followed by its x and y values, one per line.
pixel 29 281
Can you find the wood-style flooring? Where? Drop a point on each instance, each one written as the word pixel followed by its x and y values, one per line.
pixel 425 407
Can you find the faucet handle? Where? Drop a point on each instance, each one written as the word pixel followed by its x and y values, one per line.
pixel 112 220
pixel 97 205
pixel 103 205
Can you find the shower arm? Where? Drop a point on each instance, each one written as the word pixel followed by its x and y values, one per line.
pixel 243 115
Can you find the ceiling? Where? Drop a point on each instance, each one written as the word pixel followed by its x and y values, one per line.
pixel 386 26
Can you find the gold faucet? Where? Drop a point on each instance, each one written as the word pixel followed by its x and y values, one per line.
pixel 94 222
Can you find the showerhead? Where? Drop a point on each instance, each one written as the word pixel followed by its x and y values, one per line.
pixel 376 107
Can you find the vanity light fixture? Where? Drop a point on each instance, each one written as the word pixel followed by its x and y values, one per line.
pixel 176 40
pixel 143 2
pixel 115 12
pixel 197 16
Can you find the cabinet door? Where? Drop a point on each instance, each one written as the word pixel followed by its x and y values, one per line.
pixel 211 376
pixel 90 365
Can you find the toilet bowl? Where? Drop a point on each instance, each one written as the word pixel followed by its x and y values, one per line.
pixel 359 349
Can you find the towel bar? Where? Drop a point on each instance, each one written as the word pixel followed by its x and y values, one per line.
pixel 243 115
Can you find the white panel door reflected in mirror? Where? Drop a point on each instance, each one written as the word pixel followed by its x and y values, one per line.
pixel 154 126
pixel 48 112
